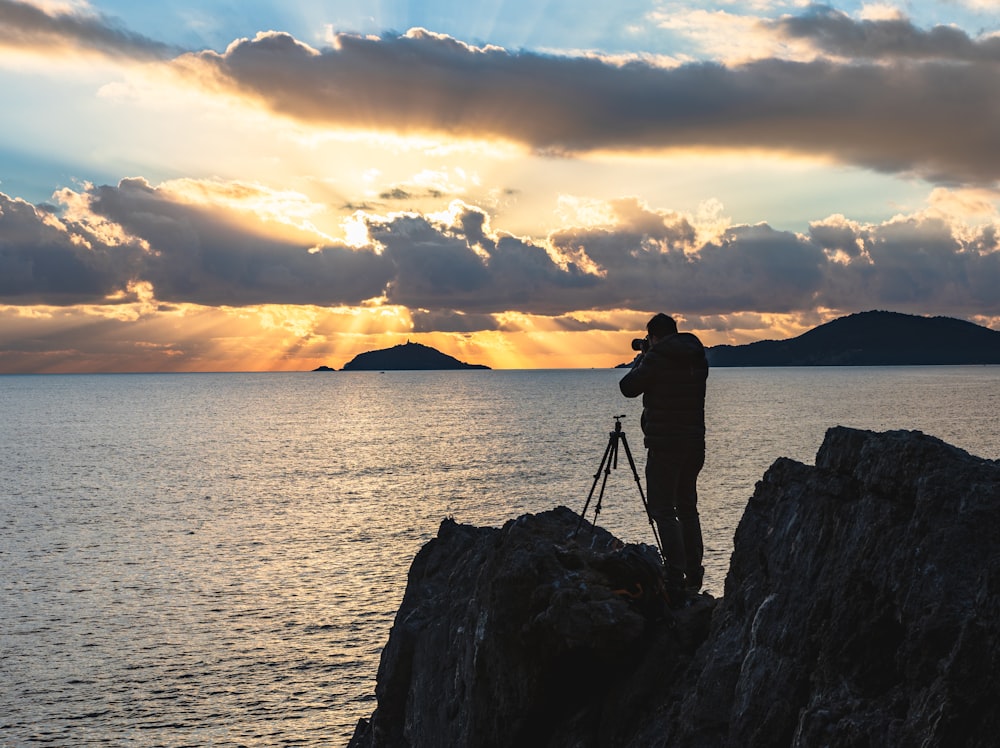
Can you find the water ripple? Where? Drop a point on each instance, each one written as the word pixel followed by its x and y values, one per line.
pixel 191 560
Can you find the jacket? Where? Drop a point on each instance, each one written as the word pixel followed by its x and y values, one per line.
pixel 671 378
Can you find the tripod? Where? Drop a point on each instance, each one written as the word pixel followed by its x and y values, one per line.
pixel 608 462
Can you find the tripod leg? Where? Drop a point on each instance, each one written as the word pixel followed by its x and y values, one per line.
pixel 604 467
pixel 612 463
pixel 645 504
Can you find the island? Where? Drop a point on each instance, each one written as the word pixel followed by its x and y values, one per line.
pixel 406 357
pixel 875 338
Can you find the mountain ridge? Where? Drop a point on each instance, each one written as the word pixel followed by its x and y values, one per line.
pixel 874 338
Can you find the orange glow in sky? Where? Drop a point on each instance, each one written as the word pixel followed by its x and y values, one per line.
pixel 183 188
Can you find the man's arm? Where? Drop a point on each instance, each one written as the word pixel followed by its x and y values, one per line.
pixel 634 383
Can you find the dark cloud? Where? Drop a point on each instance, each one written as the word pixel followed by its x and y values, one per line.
pixel 44 261
pixel 363 206
pixel 934 116
pixel 913 265
pixel 459 267
pixel 457 275
pixel 836 237
pixel 396 193
pixel 451 321
pixel 836 33
pixel 749 268
pixel 204 256
pixel 900 99
pixel 189 254
pixel 399 194
pixel 653 261
pixel 25 25
pixel 757 268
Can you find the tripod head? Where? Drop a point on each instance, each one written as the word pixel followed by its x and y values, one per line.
pixel 618 423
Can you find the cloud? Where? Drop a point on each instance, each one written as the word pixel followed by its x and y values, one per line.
pixel 186 338
pixel 911 263
pixel 459 266
pixel 29 26
pixel 44 260
pixel 115 236
pixel 650 261
pixel 981 5
pixel 455 272
pixel 450 321
pixel 213 256
pixel 834 32
pixel 882 94
pixel 728 37
pixel 932 115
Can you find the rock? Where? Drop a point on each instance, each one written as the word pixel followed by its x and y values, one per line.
pixel 506 636
pixel 862 607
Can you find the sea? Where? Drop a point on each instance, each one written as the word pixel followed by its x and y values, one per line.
pixel 216 559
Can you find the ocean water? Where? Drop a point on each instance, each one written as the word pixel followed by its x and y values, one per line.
pixel 216 559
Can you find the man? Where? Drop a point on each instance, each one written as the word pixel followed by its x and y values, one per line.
pixel 670 375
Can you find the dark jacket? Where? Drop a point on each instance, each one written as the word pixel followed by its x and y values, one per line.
pixel 670 376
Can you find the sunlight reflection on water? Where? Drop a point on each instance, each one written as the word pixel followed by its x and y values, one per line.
pixel 216 559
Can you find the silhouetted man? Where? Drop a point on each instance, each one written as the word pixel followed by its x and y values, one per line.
pixel 670 375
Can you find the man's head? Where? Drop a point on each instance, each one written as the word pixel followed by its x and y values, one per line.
pixel 660 326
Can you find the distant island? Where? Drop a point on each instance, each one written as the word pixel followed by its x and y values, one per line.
pixel 871 339
pixel 406 357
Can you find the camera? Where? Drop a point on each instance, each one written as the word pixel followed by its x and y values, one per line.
pixel 640 344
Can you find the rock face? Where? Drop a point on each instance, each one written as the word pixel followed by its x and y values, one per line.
pixel 506 637
pixel 862 605
pixel 862 608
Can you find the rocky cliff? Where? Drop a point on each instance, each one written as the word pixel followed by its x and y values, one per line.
pixel 862 608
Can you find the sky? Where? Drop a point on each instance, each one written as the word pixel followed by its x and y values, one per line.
pixel 215 185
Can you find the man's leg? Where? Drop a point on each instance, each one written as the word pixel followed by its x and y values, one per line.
pixel 687 514
pixel 662 476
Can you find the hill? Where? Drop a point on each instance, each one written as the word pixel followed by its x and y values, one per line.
pixel 871 339
pixel 406 357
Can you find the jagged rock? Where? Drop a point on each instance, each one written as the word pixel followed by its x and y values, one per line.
pixel 862 607
pixel 506 636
